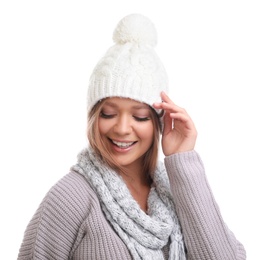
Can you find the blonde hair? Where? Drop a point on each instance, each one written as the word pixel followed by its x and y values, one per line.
pixel 97 144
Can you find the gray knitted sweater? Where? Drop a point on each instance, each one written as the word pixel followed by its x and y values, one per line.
pixel 69 223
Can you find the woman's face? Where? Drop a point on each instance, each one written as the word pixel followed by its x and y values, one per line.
pixel 126 128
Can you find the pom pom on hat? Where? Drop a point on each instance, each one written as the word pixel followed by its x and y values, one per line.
pixel 130 68
pixel 135 28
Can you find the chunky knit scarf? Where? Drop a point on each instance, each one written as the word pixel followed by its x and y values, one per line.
pixel 144 234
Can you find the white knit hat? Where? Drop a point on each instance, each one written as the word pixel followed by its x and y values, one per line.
pixel 131 67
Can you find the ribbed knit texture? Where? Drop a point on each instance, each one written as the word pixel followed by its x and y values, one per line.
pixel 70 224
pixel 208 236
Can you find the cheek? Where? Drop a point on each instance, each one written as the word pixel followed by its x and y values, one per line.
pixel 103 126
pixel 147 132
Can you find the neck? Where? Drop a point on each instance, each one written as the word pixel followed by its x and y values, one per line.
pixel 139 187
pixel 135 175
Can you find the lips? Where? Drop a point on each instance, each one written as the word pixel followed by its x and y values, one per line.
pixel 122 145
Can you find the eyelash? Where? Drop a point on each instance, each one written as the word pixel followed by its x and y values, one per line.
pixel 139 119
pixel 103 115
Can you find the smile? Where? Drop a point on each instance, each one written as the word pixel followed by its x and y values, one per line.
pixel 123 144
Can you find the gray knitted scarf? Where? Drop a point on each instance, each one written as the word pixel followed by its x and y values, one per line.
pixel 144 234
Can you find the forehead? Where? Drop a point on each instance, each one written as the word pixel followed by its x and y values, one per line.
pixel 117 102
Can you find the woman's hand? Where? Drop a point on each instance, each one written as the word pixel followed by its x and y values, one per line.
pixel 179 133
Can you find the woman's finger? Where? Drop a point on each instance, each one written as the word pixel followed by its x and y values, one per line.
pixel 166 98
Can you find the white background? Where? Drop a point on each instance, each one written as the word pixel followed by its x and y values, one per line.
pixel 216 55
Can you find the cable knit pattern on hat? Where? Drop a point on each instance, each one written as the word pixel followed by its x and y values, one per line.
pixel 130 68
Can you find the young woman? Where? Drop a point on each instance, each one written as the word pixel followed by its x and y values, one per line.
pixel 119 201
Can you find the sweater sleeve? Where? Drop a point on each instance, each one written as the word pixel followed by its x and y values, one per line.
pixel 53 230
pixel 205 234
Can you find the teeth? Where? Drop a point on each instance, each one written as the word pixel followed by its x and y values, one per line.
pixel 122 144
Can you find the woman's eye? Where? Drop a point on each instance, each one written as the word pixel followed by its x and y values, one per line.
pixel 141 119
pixel 104 115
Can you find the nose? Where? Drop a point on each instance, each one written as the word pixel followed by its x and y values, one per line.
pixel 123 125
